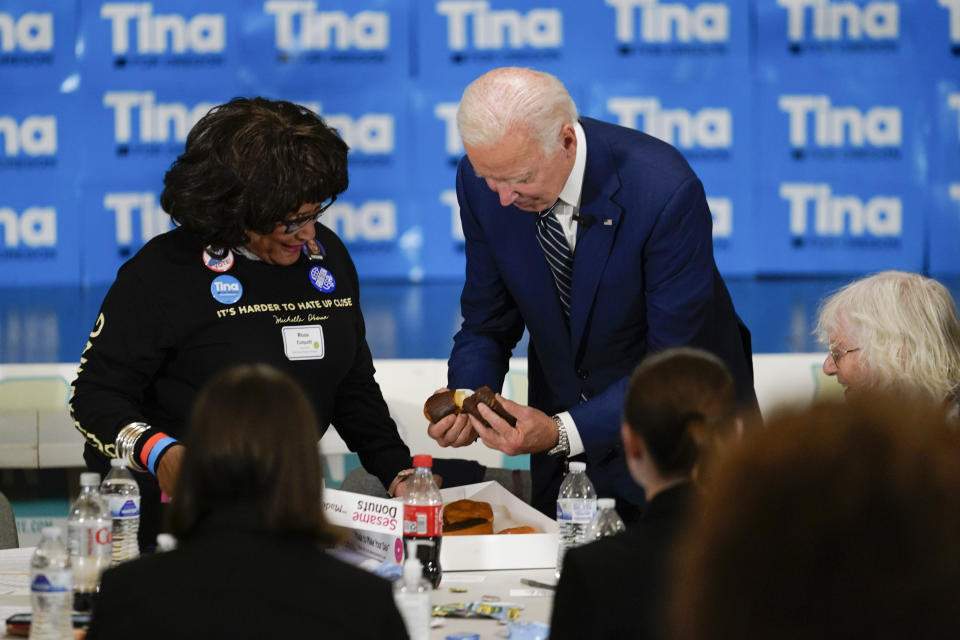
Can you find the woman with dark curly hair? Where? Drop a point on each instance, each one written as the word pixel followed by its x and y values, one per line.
pixel 249 275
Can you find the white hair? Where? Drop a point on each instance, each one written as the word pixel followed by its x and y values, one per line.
pixel 510 98
pixel 906 328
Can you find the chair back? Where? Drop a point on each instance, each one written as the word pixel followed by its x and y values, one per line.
pixel 8 525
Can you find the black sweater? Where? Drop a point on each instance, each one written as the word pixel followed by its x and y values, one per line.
pixel 162 334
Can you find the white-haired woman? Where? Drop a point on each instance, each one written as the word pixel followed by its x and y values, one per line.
pixel 893 329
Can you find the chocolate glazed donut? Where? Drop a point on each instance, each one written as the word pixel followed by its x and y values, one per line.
pixel 440 405
pixel 486 396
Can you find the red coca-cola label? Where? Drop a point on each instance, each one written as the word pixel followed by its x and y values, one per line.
pixel 104 536
pixel 422 521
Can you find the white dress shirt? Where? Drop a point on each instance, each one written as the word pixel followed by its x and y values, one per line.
pixel 566 208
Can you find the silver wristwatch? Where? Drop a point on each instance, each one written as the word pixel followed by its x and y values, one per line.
pixel 563 442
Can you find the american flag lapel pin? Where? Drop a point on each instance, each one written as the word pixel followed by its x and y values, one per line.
pixel 608 222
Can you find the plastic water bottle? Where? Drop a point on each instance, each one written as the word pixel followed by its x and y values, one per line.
pixel 576 506
pixel 122 495
pixel 606 522
pixel 51 583
pixel 422 522
pixel 89 533
pixel 412 595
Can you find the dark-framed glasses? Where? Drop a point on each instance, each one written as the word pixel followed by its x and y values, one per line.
pixel 291 226
pixel 837 354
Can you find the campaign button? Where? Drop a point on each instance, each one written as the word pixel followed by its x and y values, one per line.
pixel 226 289
pixel 218 261
pixel 322 279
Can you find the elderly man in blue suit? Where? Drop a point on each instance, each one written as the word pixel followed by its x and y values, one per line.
pixel 598 240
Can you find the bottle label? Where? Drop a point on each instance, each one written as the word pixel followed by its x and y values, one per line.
pixel 52 582
pixel 422 520
pixel 90 540
pixel 124 506
pixel 576 511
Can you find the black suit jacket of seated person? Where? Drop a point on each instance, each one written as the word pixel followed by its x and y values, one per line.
pixel 616 587
pixel 231 580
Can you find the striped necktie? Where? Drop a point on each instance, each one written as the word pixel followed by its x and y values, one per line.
pixel 557 252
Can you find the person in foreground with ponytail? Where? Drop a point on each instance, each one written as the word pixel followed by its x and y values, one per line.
pixel 680 407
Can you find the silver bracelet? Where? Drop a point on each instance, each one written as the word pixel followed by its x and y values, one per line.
pixel 563 441
pixel 126 444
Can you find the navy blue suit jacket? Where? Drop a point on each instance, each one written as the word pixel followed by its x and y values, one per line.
pixel 644 279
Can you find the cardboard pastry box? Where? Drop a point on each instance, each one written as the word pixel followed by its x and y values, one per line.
pixel 376 525
pixel 377 532
pixel 509 551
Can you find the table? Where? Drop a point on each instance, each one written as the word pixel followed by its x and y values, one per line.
pixel 505 585
pixel 14 582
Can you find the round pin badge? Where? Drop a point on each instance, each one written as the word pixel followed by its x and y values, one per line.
pixel 219 261
pixel 226 289
pixel 322 279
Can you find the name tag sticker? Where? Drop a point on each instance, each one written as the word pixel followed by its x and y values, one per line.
pixel 303 342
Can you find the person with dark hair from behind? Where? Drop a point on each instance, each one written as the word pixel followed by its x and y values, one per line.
pixel 249 522
pixel 680 405
pixel 840 521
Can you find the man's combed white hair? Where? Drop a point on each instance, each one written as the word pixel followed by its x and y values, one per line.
pixel 906 328
pixel 513 98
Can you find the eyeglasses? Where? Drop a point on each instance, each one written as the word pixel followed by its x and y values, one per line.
pixel 837 354
pixel 291 226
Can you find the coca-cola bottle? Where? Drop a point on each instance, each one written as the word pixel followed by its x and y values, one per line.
pixel 89 540
pixel 422 521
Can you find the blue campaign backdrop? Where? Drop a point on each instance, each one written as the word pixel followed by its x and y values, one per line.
pixel 709 122
pixel 37 44
pixel 170 43
pixel 837 35
pixel 941 73
pixel 825 131
pixel 324 45
pixel 849 179
pixel 119 217
pixel 436 154
pixel 38 168
pixel 944 221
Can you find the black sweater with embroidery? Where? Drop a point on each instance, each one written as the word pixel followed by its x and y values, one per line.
pixel 162 333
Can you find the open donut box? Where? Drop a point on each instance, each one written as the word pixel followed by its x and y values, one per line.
pixel 513 551
pixel 377 523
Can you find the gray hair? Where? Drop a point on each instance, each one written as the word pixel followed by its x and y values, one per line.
pixel 906 327
pixel 514 97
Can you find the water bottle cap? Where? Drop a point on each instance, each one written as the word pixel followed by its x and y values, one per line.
pixel 51 532
pixel 578 466
pixel 89 479
pixel 166 542
pixel 606 503
pixel 117 462
pixel 423 460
